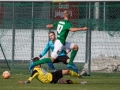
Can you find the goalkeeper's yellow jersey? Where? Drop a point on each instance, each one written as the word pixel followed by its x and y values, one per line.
pixel 41 75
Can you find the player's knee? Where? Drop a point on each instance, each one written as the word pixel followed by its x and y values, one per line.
pixel 52 59
pixel 67 61
pixel 67 71
pixel 75 47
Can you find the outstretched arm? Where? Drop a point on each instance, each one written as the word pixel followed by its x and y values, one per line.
pixel 49 26
pixel 33 75
pixel 78 29
pixel 47 47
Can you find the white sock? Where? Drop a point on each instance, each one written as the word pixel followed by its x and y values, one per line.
pixel 83 72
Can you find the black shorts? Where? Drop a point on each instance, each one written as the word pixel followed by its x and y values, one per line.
pixel 62 59
pixel 56 76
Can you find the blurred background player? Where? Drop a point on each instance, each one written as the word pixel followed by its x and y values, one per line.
pixel 53 77
pixel 63 28
pixel 62 56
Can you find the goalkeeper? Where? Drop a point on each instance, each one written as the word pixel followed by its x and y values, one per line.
pixel 53 77
pixel 62 57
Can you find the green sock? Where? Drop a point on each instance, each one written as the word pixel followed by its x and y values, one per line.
pixel 42 61
pixel 72 56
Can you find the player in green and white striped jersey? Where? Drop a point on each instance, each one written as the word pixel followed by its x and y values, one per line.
pixel 63 28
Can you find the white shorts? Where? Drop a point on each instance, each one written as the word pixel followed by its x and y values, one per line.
pixel 58 47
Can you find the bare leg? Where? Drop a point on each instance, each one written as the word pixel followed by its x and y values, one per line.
pixel 61 81
pixel 65 72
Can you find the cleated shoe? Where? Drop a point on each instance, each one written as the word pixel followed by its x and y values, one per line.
pixel 80 76
pixel 84 73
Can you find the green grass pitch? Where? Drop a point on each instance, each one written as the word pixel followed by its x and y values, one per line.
pixel 97 81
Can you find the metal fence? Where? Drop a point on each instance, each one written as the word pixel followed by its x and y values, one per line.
pixel 23 32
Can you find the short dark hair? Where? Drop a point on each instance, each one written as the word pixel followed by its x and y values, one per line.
pixel 51 32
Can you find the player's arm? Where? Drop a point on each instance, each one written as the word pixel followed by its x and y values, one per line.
pixel 49 26
pixel 54 25
pixel 47 47
pixel 33 75
pixel 77 29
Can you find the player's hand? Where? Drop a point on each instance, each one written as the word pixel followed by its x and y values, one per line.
pixel 49 26
pixel 35 59
pixel 84 28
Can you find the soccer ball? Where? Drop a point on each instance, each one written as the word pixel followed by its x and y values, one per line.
pixel 6 74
